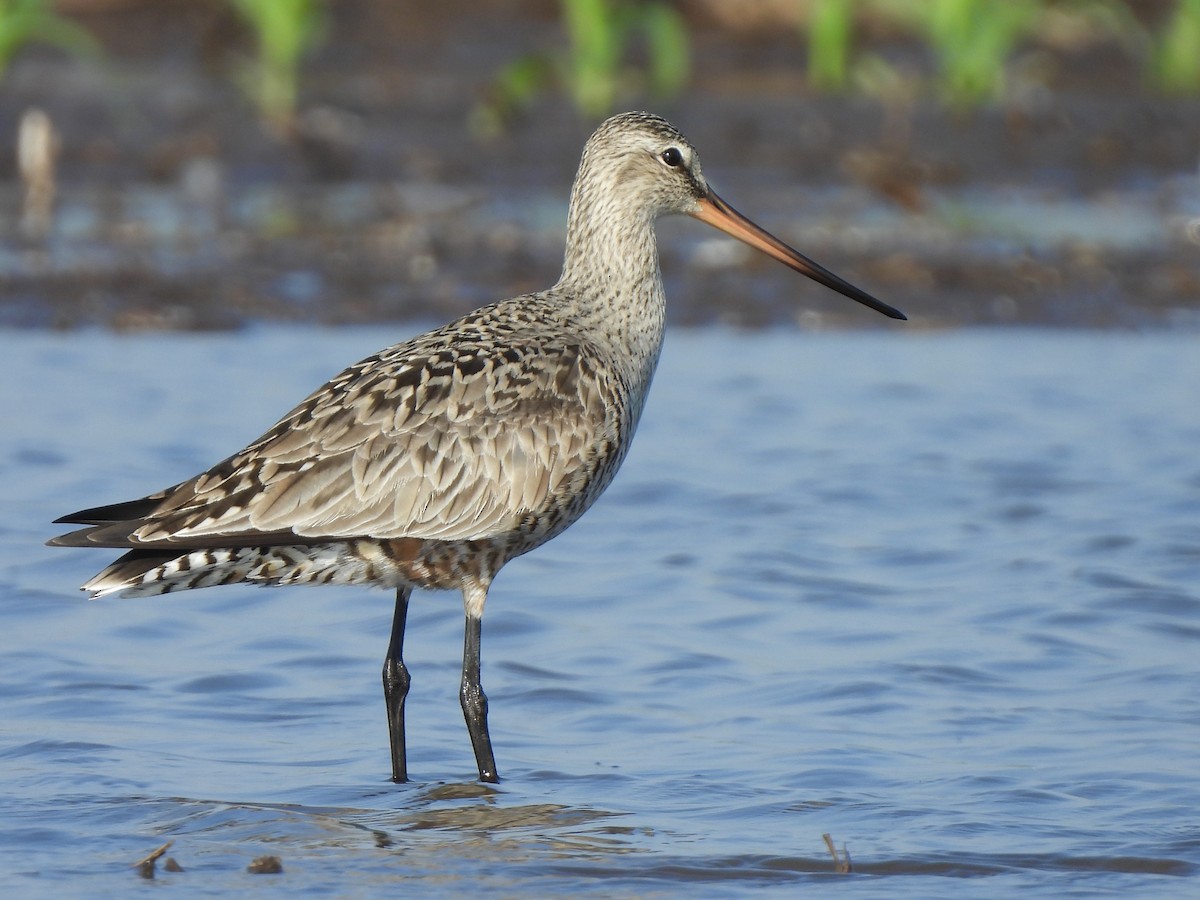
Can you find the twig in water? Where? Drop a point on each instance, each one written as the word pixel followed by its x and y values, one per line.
pixel 145 866
pixel 841 864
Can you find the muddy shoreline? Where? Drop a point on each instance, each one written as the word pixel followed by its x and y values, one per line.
pixel 1078 204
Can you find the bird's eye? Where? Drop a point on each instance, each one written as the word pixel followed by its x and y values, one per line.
pixel 672 157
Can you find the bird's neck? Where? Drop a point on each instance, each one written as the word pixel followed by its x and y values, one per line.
pixel 611 274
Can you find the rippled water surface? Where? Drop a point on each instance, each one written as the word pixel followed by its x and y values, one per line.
pixel 934 594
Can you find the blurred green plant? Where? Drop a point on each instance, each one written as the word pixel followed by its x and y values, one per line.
pixel 830 26
pixel 284 30
pixel 973 41
pixel 592 71
pixel 1175 57
pixel 25 22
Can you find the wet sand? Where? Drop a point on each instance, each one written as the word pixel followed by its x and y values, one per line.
pixel 1076 204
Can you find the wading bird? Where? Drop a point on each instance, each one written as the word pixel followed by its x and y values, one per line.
pixel 438 460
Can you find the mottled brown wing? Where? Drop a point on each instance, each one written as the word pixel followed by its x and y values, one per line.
pixel 452 446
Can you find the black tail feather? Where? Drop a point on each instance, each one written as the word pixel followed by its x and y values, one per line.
pixel 115 512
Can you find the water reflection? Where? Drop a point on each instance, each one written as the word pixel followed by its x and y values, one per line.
pixel 933 595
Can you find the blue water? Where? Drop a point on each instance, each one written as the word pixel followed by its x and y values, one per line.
pixel 934 594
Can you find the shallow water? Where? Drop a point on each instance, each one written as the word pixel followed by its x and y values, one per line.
pixel 935 594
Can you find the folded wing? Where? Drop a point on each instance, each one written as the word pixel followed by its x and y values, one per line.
pixel 449 443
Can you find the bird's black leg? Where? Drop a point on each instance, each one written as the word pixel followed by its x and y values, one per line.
pixel 474 702
pixel 395 686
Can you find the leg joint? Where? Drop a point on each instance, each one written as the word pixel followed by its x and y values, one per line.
pixel 395 677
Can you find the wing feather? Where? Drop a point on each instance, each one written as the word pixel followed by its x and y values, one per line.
pixel 448 443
